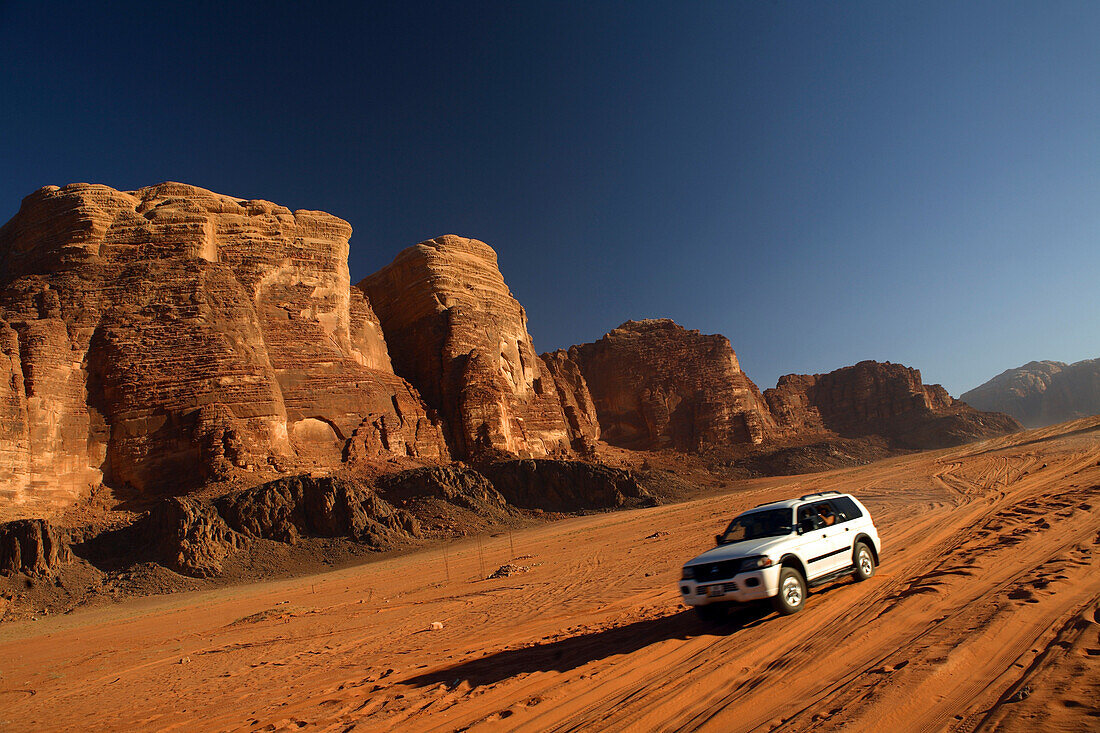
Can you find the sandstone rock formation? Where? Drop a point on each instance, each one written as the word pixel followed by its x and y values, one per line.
pixel 159 337
pixel 31 546
pixel 657 385
pixel 879 398
pixel 455 331
pixel 1042 392
pixel 855 400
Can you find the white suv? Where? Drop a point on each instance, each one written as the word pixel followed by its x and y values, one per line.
pixel 779 550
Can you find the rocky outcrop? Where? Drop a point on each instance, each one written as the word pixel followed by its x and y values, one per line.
pixel 855 400
pixel 460 486
pixel 188 536
pixel 456 333
pixel 32 546
pixel 566 486
pixel 1042 392
pixel 163 336
pixel 287 509
pixel 657 385
pixel 880 398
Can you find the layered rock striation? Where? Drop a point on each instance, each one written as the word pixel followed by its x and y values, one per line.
pixel 160 337
pixel 455 331
pixel 656 385
pixel 1042 392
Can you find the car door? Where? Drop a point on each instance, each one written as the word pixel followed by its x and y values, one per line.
pixel 814 546
pixel 847 524
pixel 835 543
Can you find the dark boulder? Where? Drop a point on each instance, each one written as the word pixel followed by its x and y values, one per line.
pixel 304 506
pixel 457 485
pixel 566 486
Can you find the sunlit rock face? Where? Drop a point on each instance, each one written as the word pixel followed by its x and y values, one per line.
pixel 157 337
pixel 455 331
pixel 657 385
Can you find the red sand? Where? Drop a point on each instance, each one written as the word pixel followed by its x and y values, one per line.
pixel 984 610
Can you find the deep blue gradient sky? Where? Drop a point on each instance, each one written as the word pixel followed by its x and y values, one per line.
pixel 820 182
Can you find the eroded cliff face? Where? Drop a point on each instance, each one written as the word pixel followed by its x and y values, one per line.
pixel 455 331
pixel 880 398
pixel 158 337
pixel 657 385
pixel 576 399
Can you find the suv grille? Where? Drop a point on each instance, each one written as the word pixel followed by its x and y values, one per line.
pixel 717 570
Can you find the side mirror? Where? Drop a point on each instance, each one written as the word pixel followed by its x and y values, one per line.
pixel 718 540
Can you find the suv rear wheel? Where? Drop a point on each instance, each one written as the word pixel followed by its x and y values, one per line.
pixel 792 592
pixel 863 561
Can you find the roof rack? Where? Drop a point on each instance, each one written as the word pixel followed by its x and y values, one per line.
pixel 807 497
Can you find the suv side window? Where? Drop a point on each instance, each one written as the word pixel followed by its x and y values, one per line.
pixel 846 508
pixel 808 520
pixel 827 513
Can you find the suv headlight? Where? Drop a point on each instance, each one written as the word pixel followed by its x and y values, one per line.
pixel 755 563
pixel 688 574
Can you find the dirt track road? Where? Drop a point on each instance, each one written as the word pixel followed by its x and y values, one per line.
pixel 984 615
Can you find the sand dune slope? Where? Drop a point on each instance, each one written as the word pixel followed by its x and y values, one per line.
pixel 983 616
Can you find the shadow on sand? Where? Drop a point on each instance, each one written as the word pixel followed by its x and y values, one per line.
pixel 566 654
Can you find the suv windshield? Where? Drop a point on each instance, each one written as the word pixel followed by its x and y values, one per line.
pixel 751 526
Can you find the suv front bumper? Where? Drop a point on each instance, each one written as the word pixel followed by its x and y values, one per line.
pixel 754 585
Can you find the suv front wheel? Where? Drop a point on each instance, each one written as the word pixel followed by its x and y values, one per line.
pixel 792 592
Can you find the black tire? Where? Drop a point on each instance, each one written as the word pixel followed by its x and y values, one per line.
pixel 711 614
pixel 864 562
pixel 792 592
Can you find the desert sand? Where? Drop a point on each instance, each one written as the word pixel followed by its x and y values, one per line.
pixel 983 615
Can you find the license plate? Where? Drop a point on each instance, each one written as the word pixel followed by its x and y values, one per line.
pixel 715 590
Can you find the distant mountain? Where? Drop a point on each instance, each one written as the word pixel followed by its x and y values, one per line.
pixel 1042 392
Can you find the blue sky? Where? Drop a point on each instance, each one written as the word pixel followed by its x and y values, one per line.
pixel 820 182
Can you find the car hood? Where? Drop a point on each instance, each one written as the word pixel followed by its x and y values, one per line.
pixel 746 548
